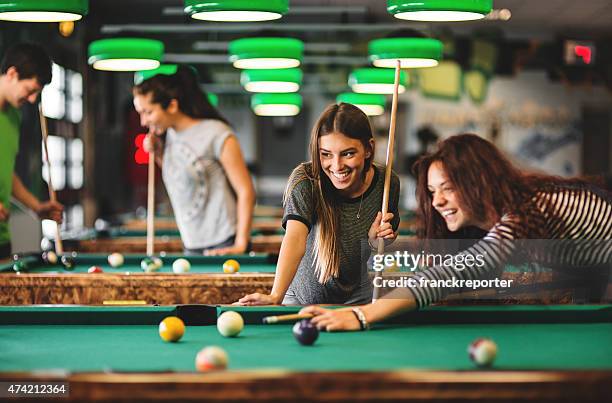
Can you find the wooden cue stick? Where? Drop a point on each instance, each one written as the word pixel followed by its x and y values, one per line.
pixel 286 318
pixel 59 247
pixel 389 164
pixel 151 198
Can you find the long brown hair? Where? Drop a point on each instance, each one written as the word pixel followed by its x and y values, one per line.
pixel 353 123
pixel 185 88
pixel 486 182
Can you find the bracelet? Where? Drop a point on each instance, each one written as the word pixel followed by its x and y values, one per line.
pixel 363 323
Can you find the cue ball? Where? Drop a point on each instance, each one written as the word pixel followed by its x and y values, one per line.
pixel 95 269
pixel 181 266
pixel 49 257
pixel 211 358
pixel 482 352
pixel 115 259
pixel 305 332
pixel 171 329
pixel 67 262
pixel 230 324
pixel 231 266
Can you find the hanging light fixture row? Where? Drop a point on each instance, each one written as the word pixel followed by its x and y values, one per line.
pixel 439 10
pixel 125 54
pixel 43 10
pixel 236 10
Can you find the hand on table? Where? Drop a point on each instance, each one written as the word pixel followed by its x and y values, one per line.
pixel 50 210
pixel 4 213
pixel 257 299
pixel 333 320
pixel 230 250
pixel 381 229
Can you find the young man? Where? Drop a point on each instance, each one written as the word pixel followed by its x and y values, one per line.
pixel 24 70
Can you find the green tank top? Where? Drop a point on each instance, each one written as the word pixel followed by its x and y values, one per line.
pixel 9 146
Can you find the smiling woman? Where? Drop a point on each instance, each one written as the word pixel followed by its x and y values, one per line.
pixel 331 214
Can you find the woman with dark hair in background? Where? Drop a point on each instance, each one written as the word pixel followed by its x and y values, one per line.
pixel 469 183
pixel 332 216
pixel 202 166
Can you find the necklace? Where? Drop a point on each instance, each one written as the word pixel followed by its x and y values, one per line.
pixel 361 201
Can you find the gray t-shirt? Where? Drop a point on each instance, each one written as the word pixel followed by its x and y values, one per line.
pixel 352 286
pixel 202 198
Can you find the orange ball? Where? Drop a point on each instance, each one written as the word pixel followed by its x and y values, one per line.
pixel 171 329
pixel 231 266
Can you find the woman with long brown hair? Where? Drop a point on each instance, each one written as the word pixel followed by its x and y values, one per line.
pixel 468 183
pixel 332 216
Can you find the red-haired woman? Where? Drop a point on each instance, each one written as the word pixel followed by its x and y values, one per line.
pixel 468 183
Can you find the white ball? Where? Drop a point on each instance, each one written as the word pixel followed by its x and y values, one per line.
pixel 211 358
pixel 483 352
pixel 115 259
pixel 181 266
pixel 230 324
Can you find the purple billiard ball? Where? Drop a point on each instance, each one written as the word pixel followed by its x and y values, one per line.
pixel 305 332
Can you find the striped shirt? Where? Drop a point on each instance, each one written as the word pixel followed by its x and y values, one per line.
pixel 575 220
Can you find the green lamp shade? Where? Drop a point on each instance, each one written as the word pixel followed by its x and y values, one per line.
pixel 266 53
pixel 376 81
pixel 125 54
pixel 411 52
pixel 236 10
pixel 275 81
pixel 276 104
pixel 43 10
pixel 165 69
pixel 213 99
pixel 439 10
pixel 370 104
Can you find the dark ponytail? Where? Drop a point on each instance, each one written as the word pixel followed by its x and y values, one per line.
pixel 184 87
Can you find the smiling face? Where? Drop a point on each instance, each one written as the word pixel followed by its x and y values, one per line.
pixel 343 160
pixel 446 200
pixel 152 115
pixel 21 91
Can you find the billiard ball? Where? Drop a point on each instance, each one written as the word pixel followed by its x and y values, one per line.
pixel 49 257
pixel 157 262
pixel 230 324
pixel 67 262
pixel 95 269
pixel 150 264
pixel 115 259
pixel 305 332
pixel 231 266
pixel 20 266
pixel 181 266
pixel 211 358
pixel 482 352
pixel 171 329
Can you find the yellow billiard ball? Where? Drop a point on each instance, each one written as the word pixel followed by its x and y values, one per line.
pixel 231 266
pixel 171 329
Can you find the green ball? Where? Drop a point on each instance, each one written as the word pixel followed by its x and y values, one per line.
pixel 20 266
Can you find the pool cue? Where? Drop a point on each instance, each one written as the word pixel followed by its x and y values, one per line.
pixel 286 318
pixel 151 197
pixel 59 247
pixel 389 166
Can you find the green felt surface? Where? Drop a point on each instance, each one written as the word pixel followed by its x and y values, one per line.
pixel 527 345
pixel 256 263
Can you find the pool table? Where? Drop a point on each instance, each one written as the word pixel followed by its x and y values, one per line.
pixel 204 283
pixel 546 354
